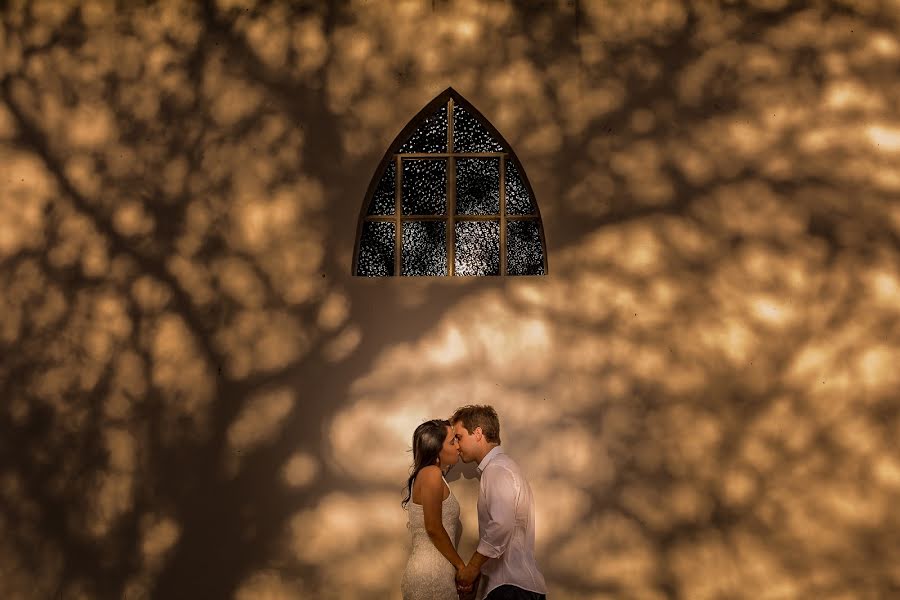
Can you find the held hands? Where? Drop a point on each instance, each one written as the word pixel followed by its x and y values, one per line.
pixel 466 577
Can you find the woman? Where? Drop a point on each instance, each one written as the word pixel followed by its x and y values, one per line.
pixel 433 516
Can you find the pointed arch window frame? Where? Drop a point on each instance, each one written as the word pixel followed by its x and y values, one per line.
pixel 448 98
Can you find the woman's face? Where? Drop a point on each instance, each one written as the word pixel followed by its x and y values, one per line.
pixel 449 451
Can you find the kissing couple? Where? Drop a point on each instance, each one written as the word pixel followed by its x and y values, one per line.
pixel 503 565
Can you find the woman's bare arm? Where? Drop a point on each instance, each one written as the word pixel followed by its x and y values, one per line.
pixel 432 488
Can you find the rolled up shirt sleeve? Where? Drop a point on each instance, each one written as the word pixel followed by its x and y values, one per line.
pixel 502 496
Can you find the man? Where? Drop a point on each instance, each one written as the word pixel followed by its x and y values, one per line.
pixel 505 553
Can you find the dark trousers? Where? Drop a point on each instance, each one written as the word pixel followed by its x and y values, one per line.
pixel 511 592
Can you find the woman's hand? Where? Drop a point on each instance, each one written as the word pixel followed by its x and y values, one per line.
pixel 466 581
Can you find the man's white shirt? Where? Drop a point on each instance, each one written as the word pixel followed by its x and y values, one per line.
pixel 506 526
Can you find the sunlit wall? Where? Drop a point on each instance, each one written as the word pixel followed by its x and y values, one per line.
pixel 197 400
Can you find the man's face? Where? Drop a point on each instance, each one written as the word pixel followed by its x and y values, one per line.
pixel 468 446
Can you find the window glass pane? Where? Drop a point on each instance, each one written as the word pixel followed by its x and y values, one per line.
pixel 518 200
pixel 376 249
pixel 478 186
pixel 430 136
pixel 477 248
pixel 424 248
pixel 424 187
pixel 524 253
pixel 469 135
pixel 383 200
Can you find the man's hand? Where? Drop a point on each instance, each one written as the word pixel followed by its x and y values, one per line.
pixel 470 595
pixel 465 579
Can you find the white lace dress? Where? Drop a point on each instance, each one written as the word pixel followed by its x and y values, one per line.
pixel 429 575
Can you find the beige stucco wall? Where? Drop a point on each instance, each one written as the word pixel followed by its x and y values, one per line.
pixel 199 401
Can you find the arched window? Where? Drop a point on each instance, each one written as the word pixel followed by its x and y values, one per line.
pixel 449 198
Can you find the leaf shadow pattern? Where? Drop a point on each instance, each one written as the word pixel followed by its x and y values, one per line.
pixel 702 391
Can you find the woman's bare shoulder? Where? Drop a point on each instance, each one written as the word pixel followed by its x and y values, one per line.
pixel 427 478
pixel 429 475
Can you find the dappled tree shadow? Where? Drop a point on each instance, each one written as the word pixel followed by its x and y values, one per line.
pixel 198 402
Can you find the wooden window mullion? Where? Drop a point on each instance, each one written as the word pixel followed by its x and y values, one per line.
pixel 491 217
pixel 398 207
pixel 456 154
pixel 503 215
pixel 451 194
pixel 449 127
pixel 451 210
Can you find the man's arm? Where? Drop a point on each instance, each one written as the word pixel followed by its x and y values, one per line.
pixel 502 496
pixel 477 561
pixel 466 576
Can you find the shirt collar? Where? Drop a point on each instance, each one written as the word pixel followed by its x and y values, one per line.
pixel 488 458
